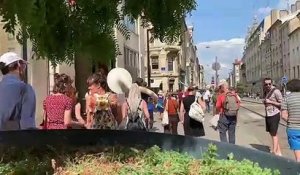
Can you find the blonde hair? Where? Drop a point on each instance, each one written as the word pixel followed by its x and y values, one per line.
pixel 134 97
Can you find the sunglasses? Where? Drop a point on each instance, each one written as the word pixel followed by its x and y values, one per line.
pixel 268 84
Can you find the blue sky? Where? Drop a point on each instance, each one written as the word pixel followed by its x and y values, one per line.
pixel 222 25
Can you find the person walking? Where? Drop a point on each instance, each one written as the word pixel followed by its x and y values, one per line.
pixel 206 98
pixel 151 106
pixel 191 126
pixel 160 103
pixel 290 112
pixel 76 110
pixel 58 106
pixel 99 104
pixel 272 101
pixel 227 107
pixel 172 109
pixel 17 99
pixel 135 105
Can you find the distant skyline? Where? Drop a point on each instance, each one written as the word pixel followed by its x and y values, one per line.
pixel 220 28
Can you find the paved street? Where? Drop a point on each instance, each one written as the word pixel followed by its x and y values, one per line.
pixel 250 129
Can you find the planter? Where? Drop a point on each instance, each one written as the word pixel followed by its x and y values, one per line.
pixel 193 146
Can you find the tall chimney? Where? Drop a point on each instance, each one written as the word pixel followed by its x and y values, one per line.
pixel 293 8
pixel 283 13
pixel 274 15
pixel 297 5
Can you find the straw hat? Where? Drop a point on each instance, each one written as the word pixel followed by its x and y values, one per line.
pixel 119 80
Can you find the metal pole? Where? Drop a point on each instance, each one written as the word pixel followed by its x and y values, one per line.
pixel 217 78
pixel 148 60
pixel 24 49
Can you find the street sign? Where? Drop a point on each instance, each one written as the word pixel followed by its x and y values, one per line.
pixel 216 66
pixel 284 80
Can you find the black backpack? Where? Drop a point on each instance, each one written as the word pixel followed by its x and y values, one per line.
pixel 135 122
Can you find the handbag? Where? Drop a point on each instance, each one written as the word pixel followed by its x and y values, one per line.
pixel 165 119
pixel 214 121
pixel 196 112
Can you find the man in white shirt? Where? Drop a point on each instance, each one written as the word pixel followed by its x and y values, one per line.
pixel 206 98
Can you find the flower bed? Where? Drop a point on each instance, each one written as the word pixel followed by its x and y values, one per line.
pixel 121 161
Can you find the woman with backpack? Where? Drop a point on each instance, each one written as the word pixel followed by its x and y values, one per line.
pixel 135 110
pixel 99 104
pixel 227 106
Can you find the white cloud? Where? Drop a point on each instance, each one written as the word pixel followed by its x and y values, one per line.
pixel 226 51
pixel 264 11
pixel 282 4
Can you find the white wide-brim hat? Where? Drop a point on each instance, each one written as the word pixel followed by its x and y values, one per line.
pixel 119 80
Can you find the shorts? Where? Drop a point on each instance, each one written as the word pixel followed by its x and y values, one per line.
pixel 272 123
pixel 293 138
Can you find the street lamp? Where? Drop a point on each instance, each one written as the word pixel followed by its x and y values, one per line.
pixel 216 67
pixel 148 59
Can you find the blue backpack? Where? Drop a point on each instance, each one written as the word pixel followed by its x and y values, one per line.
pixel 160 103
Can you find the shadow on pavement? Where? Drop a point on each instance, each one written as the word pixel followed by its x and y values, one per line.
pixel 263 148
pixel 254 121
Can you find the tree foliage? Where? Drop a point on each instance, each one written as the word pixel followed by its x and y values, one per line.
pixel 59 30
pixel 241 88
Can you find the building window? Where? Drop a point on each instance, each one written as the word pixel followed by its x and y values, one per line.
pixel 130 58
pixel 155 64
pixel 294 72
pixel 130 23
pixel 170 64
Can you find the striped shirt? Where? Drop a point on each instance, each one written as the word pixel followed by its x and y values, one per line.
pixel 291 103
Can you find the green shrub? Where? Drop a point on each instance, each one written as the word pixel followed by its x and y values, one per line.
pixel 124 161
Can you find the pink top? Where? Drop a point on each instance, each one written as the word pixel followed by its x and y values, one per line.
pixel 55 107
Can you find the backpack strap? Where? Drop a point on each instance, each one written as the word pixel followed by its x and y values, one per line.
pixel 128 106
pixel 270 93
pixel 137 108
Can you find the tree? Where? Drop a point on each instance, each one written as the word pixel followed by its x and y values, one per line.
pixel 59 30
pixel 83 31
pixel 241 88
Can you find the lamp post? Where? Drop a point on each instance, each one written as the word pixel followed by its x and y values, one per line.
pixel 24 53
pixel 148 60
pixel 216 67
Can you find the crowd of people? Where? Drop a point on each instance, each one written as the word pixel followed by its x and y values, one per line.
pixel 63 110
